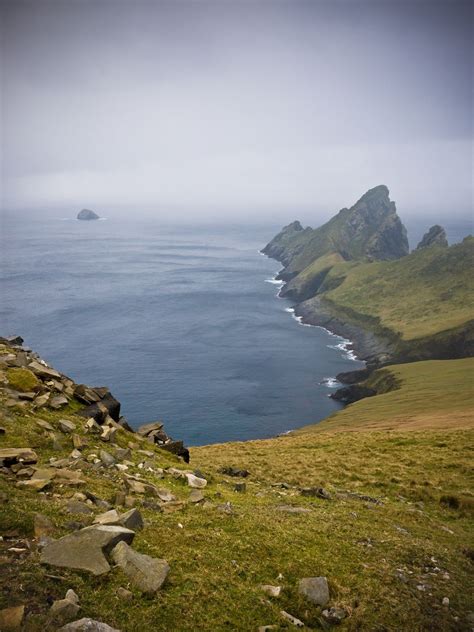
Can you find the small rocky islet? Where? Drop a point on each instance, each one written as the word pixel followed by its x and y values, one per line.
pixel 87 215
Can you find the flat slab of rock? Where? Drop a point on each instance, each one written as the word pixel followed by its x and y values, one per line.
pixel 86 549
pixel 145 430
pixel 8 456
pixel 315 589
pixel 87 625
pixel 43 371
pixel 145 572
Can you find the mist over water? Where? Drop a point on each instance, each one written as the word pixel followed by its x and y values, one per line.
pixel 178 323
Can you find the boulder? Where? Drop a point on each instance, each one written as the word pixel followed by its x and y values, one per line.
pixel 43 371
pixel 87 625
pixel 195 481
pixel 86 549
pixel 316 492
pixel 196 496
pixel 315 589
pixel 145 572
pixel 109 517
pixel 334 615
pixel 131 520
pixel 58 402
pixel 146 429
pixel 23 380
pixel 271 591
pixel 108 405
pixel 176 447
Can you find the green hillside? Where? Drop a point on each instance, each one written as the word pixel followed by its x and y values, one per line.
pixel 384 515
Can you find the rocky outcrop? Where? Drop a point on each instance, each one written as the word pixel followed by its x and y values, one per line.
pixel 87 214
pixel 369 230
pixel 436 236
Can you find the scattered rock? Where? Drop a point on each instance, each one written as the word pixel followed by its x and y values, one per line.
pixel 84 549
pixel 146 429
pixel 43 370
pixel 196 496
pixel 146 572
pixel 78 507
pixel 87 625
pixel 316 492
pixel 45 425
pixel 271 591
pixel 58 402
pixel 11 618
pixel 334 615
pixel 9 456
pixel 106 458
pixel 233 471
pixel 131 520
pixel 315 589
pixel 66 426
pixel 195 481
pixel 64 609
pixel 240 487
pixel 293 620
pixel 109 517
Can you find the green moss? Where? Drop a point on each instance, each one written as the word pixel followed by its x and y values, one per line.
pixel 23 380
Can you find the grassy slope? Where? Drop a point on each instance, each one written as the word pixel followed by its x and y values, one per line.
pixel 374 556
pixel 435 394
pixel 429 291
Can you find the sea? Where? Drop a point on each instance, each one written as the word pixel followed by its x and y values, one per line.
pixel 182 323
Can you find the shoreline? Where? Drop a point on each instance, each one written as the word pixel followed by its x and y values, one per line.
pixel 359 344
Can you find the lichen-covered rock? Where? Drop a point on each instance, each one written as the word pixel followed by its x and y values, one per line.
pixel 87 625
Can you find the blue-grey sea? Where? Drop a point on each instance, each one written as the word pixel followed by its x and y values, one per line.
pixel 181 323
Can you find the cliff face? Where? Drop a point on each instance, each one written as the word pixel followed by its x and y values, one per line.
pixel 371 229
pixel 436 236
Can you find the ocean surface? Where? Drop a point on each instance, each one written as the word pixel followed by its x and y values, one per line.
pixel 181 323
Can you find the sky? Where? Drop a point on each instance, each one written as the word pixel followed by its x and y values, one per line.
pixel 235 109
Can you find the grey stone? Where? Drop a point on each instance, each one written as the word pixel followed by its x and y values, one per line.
pixel 131 520
pixel 109 517
pixel 106 458
pixel 87 215
pixel 293 620
pixel 196 496
pixel 316 492
pixel 64 609
pixel 8 456
pixel 146 429
pixel 124 594
pixel 145 572
pixel 195 481
pixel 78 507
pixel 85 549
pixel 87 625
pixel 66 426
pixel 58 401
pixel 315 589
pixel 43 371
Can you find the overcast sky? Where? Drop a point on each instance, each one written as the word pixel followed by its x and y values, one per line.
pixel 233 108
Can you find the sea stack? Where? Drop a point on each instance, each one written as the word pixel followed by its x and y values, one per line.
pixel 436 236
pixel 87 214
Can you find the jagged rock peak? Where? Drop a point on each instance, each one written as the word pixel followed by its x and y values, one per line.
pixel 296 225
pixel 87 214
pixel 436 236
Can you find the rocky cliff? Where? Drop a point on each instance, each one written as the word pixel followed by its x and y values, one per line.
pixel 370 230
